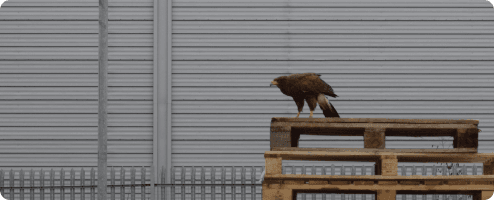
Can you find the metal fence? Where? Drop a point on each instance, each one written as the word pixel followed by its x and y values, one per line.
pixel 191 183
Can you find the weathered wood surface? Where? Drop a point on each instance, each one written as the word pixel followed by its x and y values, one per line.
pixel 372 178
pixel 375 120
pixel 285 132
pixel 449 151
pixel 374 156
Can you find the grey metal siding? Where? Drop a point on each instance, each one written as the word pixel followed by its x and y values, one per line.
pixel 48 84
pixel 384 59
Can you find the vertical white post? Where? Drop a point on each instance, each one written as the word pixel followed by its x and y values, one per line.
pixel 102 98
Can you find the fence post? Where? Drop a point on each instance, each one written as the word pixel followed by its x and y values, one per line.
pixel 52 183
pixel 21 176
pixel 173 182
pixel 253 181
pixel 122 182
pixel 143 181
pixel 62 180
pixel 72 183
pixel 223 177
pixel 182 180
pixel 203 181
pixel 364 171
pixel 242 176
pixel 333 196
pixel 163 178
pixel 304 195
pixel 112 177
pixel 83 182
pixel 234 188
pixel 193 181
pixel 92 183
pixel 342 172
pixel 213 181
pixel 31 175
pixel 133 182
pixel 42 184
pixel 1 182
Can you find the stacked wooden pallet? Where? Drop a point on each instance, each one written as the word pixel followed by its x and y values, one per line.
pixel 386 183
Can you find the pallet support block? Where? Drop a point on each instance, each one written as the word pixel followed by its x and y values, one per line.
pixel 375 138
pixel 387 165
pixel 483 195
pixel 281 137
pixel 273 165
pixel 489 167
pixel 466 138
pixel 386 195
pixel 276 191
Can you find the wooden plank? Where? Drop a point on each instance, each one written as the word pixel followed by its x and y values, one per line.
pixel 422 188
pixel 456 150
pixel 372 125
pixel 373 157
pixel 374 120
pixel 304 177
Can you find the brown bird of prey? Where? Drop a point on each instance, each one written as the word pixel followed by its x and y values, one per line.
pixel 309 87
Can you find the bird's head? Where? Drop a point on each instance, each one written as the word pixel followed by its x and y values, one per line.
pixel 278 81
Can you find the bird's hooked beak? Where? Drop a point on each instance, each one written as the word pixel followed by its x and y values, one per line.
pixel 273 83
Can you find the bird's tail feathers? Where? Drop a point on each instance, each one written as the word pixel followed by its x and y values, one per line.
pixel 327 108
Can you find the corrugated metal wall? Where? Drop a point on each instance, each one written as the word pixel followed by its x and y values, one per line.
pixel 49 79
pixel 384 59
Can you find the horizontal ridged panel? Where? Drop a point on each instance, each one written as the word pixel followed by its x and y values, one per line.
pixel 243 120
pixel 74 147
pixel 75 133
pixel 70 40
pixel 337 80
pixel 74 53
pixel 318 13
pixel 331 27
pixel 328 67
pixel 78 27
pixel 356 107
pixel 75 93
pixel 75 13
pixel 74 120
pixel 224 159
pixel 67 107
pixel 74 80
pixel 85 3
pixel 333 3
pixel 73 67
pixel 363 93
pixel 259 147
pixel 330 40
pixel 262 134
pixel 73 160
pixel 254 53
pixel 218 159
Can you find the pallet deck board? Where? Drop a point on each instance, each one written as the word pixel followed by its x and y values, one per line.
pixel 285 132
pixel 451 151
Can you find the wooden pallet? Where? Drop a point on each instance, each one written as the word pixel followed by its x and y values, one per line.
pixel 285 132
pixel 385 184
